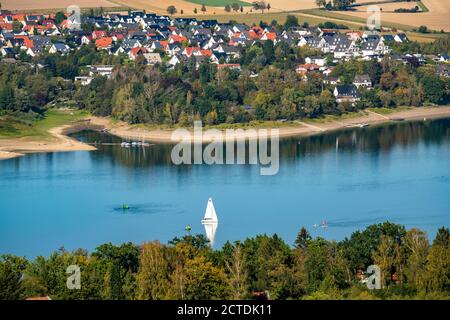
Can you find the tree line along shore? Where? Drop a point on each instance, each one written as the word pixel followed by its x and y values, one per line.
pixel 48 138
pixel 411 267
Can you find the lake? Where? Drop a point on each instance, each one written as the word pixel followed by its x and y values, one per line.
pixel 352 178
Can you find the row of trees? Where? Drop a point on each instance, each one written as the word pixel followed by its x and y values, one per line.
pixel 335 4
pixel 187 268
pixel 138 93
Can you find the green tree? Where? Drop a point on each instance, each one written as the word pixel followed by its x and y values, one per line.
pixel 11 274
pixel 442 237
pixel 203 280
pixel 171 10
pixel 423 29
pixel 321 3
pixel 437 275
pixel 417 243
pixel 60 17
pixel 384 257
pixel 291 21
pixel 434 88
pixel 259 5
pixel 227 8
pixel 153 275
pixel 303 238
pixel 359 247
pixel 17 26
pixel 237 273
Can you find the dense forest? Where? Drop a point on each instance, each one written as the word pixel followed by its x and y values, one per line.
pixel 267 87
pixel 187 268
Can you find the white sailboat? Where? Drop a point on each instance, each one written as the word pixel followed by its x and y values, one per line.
pixel 210 221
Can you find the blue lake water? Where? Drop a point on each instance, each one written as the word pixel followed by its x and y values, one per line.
pixel 398 172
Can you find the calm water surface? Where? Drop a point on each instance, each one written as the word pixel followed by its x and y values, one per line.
pixel 398 172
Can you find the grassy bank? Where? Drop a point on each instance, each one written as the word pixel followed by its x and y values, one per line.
pixel 13 127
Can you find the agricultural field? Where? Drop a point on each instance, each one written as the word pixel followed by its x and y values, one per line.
pixel 215 6
pixel 436 18
pixel 389 7
pixel 220 3
pixel 54 4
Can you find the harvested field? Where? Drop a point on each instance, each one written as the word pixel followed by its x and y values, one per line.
pixel 188 7
pixel 54 4
pixel 437 18
pixel 388 7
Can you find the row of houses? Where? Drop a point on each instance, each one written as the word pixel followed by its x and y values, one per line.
pixel 124 33
pixel 152 37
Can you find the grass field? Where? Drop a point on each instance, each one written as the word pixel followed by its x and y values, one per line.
pixel 10 127
pixel 220 3
pixel 386 111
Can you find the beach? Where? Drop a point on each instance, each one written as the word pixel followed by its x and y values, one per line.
pixel 60 142
pixel 127 131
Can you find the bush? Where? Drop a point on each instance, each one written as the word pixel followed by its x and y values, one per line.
pixel 423 29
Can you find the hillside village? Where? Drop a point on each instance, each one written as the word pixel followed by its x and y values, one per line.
pixel 161 40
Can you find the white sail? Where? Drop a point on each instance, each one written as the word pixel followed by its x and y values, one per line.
pixel 210 229
pixel 210 213
pixel 210 221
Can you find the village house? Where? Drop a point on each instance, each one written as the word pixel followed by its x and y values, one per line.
pixel 152 58
pixel 346 93
pixel 362 81
pixel 101 70
pixel 59 48
pixel 320 61
pixel 83 80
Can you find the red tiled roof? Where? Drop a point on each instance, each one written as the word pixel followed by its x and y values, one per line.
pixel 190 50
pixel 98 34
pixel 136 51
pixel 26 40
pixel 228 65
pixel 206 53
pixel 271 35
pixel 176 38
pixel 104 42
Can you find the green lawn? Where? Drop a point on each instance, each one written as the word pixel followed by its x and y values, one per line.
pixel 389 110
pixel 332 118
pixel 220 3
pixel 12 127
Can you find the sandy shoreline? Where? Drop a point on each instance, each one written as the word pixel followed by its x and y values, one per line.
pixel 60 142
pixel 126 131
